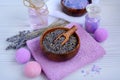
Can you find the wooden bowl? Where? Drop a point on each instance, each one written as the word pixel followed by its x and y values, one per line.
pixel 73 11
pixel 59 57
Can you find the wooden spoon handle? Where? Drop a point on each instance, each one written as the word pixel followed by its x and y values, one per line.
pixel 71 31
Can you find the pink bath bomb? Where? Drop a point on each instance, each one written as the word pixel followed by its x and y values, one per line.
pixel 32 69
pixel 100 34
pixel 23 55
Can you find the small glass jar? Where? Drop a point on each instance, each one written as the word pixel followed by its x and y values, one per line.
pixel 38 18
pixel 38 14
pixel 92 19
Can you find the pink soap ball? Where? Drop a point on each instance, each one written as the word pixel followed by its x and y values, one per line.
pixel 23 55
pixel 32 69
pixel 100 34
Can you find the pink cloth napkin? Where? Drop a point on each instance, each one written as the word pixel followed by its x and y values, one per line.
pixel 89 51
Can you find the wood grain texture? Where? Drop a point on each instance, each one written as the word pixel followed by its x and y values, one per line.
pixel 13 18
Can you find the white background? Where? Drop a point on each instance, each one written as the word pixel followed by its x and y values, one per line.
pixel 13 18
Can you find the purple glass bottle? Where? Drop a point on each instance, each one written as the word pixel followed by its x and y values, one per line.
pixel 92 19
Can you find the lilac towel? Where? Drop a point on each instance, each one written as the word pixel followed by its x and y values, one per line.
pixel 89 51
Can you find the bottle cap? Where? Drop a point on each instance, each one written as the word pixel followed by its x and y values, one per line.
pixel 93 10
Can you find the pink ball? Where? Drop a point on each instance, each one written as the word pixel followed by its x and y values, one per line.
pixel 23 55
pixel 32 69
pixel 100 34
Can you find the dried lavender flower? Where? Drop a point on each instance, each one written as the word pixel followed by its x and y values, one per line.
pixel 56 47
pixel 19 40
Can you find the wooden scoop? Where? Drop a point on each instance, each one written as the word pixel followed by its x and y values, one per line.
pixel 67 34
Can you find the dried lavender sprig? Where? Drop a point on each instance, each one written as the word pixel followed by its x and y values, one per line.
pixel 14 38
pixel 19 40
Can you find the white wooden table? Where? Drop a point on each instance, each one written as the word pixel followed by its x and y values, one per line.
pixel 13 18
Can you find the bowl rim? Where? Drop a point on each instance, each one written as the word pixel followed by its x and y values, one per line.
pixel 55 28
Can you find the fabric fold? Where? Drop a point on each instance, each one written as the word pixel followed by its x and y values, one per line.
pixel 89 52
pixel 54 7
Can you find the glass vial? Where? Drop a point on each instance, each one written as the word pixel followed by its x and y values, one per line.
pixel 38 14
pixel 92 19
